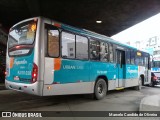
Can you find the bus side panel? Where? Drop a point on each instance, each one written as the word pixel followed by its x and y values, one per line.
pixel 132 77
pixel 72 71
pixel 68 77
pixel 104 69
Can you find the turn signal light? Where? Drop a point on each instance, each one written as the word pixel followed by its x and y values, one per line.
pixel 34 73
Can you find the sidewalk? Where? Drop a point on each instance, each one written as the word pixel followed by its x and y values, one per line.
pixel 2 86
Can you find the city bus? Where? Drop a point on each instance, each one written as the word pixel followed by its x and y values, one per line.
pixel 46 57
pixel 156 65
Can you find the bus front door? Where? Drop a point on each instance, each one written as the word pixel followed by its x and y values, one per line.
pixel 120 60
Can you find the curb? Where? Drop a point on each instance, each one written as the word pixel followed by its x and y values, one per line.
pixel 2 87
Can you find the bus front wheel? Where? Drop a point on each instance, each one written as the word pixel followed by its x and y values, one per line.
pixel 100 89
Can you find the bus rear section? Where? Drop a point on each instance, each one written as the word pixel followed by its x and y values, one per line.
pixel 21 63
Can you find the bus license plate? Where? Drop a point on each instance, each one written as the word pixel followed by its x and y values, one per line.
pixel 16 78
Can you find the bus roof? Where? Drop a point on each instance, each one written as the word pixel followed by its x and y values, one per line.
pixel 94 35
pixel 84 32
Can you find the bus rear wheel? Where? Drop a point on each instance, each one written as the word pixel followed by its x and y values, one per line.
pixel 100 89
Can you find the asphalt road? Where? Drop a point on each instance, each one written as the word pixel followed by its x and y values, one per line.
pixel 125 100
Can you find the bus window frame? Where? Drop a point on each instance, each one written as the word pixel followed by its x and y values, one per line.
pixel 61 31
pixel 107 51
pixel 95 39
pixel 132 50
pixel 76 46
pixel 127 52
pixel 23 46
pixel 51 28
pixel 113 48
pixel 62 41
pixel 33 43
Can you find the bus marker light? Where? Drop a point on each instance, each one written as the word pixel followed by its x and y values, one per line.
pixel 17 47
pixel 57 24
pixel 6 73
pixel 49 87
pixel 35 19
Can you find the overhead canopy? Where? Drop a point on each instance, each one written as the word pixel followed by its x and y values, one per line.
pixel 116 15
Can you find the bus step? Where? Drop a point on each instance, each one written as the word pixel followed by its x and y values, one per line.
pixel 119 88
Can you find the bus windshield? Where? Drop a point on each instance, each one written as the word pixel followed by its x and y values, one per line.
pixel 22 34
pixel 156 64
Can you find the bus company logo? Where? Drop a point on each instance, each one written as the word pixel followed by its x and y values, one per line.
pixel 131 71
pixel 72 67
pixel 20 62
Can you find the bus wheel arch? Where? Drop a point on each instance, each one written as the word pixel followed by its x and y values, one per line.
pixel 100 87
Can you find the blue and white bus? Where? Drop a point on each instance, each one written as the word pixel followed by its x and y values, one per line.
pixel 156 65
pixel 45 58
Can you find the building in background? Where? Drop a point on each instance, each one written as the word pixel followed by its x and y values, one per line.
pixel 82 47
pixel 150 45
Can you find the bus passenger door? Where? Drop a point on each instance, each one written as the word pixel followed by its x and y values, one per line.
pixel 147 71
pixel 120 60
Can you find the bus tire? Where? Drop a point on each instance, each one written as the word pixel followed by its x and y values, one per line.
pixel 100 89
pixel 151 84
pixel 142 80
pixel 139 87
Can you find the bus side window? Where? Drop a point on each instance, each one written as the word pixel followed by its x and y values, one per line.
pixel 53 42
pixel 132 56
pixel 146 62
pixel 94 49
pixel 104 51
pixel 111 52
pixel 81 47
pixel 68 45
pixel 128 56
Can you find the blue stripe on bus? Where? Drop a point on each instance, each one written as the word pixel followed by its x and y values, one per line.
pixel 78 70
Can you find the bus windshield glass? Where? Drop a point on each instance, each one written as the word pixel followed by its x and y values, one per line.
pixel 22 34
pixel 156 64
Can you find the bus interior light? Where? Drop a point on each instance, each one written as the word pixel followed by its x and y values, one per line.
pixel 98 21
